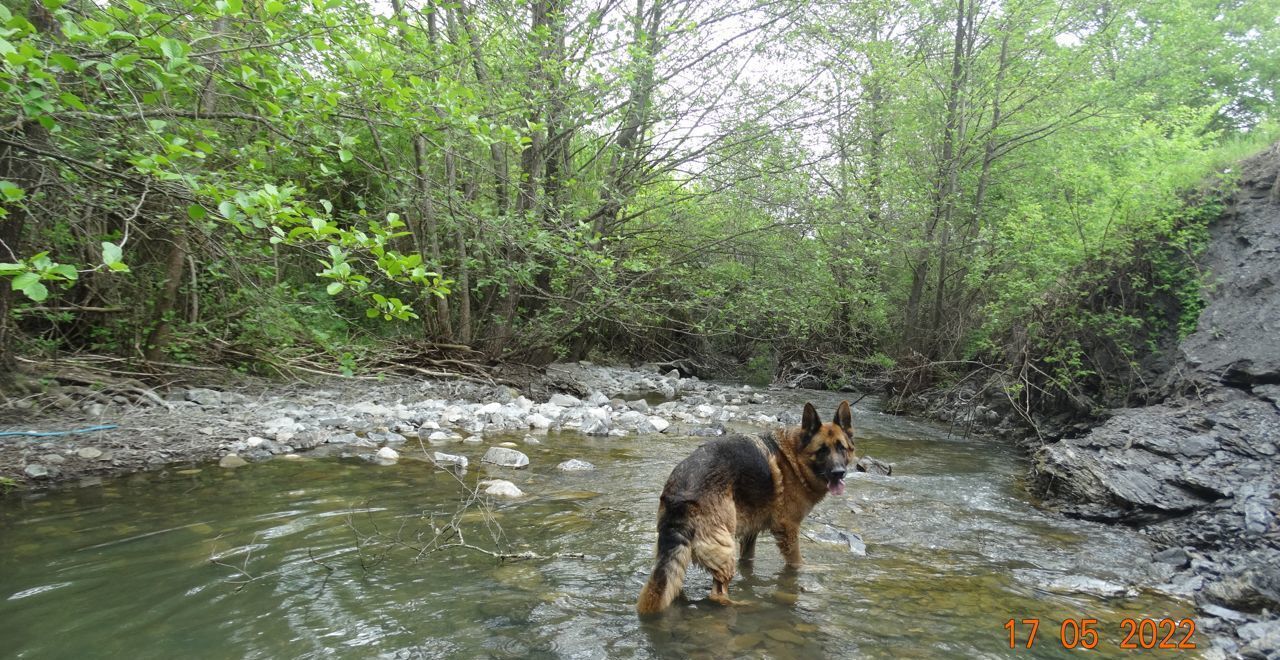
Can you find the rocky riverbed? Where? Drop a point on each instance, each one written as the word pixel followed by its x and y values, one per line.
pixel 371 420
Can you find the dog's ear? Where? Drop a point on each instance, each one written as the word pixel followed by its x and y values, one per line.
pixel 844 417
pixel 810 422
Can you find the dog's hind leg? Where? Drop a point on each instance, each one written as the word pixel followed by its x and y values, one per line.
pixel 716 550
pixel 673 555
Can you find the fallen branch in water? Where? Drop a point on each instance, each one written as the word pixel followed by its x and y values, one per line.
pixel 440 534
pixel 243 571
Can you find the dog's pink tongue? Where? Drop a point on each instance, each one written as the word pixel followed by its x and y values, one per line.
pixel 836 487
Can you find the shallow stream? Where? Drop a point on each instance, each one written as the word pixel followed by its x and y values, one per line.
pixel 325 557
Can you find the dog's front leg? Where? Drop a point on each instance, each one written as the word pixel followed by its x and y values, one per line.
pixel 788 538
pixel 747 548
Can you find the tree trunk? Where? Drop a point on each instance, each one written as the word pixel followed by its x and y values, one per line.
pixel 167 300
pixel 929 338
pixel 162 313
pixel 635 119
pixel 24 171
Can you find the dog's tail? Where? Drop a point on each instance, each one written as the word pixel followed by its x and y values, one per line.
pixel 674 538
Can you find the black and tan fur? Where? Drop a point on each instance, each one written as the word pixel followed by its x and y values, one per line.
pixel 730 489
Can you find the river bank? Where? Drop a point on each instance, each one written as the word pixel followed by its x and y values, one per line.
pixel 255 420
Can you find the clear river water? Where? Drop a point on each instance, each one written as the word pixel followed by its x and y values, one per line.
pixel 331 558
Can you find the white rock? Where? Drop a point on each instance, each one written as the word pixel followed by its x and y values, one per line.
pixel 575 465
pixel 501 488
pixel 449 459
pixel 283 425
pixel 387 456
pixel 564 400
pixel 439 436
pixel 473 439
pixel 254 442
pixel 549 410
pixel 660 425
pixel 538 421
pixel 489 408
pixel 506 457
pixel 530 440
pixel 374 409
pixel 523 403
pixel 598 399
pixel 595 426
pixel 639 405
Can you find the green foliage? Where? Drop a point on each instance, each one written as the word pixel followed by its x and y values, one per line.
pixel 273 179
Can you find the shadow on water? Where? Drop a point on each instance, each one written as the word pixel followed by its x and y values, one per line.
pixel 332 558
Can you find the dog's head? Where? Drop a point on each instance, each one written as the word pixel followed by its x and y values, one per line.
pixel 828 448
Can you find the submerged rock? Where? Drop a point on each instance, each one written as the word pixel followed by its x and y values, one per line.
pixel 874 466
pixel 36 471
pixel 232 461
pixel 1081 584
pixel 840 537
pixel 505 457
pixel 442 458
pixel 89 453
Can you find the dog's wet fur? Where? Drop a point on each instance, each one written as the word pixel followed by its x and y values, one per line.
pixel 730 489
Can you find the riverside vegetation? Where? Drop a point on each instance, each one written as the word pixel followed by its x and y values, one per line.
pixel 1009 213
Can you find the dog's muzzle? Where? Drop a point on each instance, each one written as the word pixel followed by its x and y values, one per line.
pixel 835 481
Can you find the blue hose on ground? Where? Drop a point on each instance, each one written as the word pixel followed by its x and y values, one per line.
pixel 50 434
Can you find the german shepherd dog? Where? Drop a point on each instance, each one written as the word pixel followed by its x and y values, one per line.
pixel 730 489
